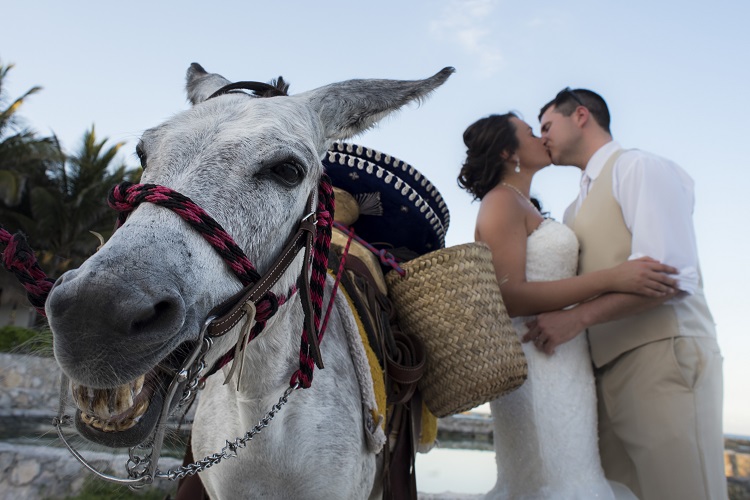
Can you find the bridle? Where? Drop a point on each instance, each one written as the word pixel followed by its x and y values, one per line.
pixel 313 234
pixel 255 302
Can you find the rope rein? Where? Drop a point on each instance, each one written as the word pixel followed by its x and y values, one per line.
pixel 385 257
pixel 19 259
pixel 321 247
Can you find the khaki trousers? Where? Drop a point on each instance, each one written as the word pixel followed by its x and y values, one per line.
pixel 660 420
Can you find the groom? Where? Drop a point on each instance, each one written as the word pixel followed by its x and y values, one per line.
pixel 657 363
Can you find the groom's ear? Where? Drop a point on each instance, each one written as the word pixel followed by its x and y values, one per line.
pixel 582 116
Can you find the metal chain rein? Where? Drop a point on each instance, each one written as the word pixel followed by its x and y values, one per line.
pixel 230 450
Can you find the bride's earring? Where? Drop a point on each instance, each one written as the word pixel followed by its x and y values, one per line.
pixel 518 165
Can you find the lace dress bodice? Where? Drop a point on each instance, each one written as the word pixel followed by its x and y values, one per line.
pixel 551 252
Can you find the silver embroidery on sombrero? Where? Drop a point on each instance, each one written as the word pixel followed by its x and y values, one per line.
pixel 404 170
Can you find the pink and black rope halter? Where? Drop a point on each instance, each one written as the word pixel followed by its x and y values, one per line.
pixel 321 247
pixel 126 197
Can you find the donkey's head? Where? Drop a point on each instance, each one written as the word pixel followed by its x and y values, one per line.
pixel 127 315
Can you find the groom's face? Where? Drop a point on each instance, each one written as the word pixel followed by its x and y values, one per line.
pixel 559 135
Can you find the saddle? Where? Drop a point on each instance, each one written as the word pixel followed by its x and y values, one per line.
pixel 409 425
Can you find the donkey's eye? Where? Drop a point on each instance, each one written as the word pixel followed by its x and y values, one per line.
pixel 289 173
pixel 141 155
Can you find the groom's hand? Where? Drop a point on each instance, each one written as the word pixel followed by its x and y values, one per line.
pixel 552 329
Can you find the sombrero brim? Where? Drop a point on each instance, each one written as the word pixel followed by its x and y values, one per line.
pixel 392 213
pixel 416 180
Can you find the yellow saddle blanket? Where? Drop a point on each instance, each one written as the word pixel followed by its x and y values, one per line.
pixel 368 368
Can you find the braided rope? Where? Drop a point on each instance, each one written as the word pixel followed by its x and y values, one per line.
pixel 325 210
pixel 19 258
pixel 125 197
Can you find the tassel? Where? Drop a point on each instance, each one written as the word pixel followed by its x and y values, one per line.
pixel 239 349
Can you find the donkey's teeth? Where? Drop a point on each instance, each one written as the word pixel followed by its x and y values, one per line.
pixel 81 396
pixel 123 399
pixel 103 405
pixel 140 409
pixel 138 385
pixel 100 406
pixel 124 425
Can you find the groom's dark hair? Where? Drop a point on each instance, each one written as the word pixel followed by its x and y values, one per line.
pixel 567 100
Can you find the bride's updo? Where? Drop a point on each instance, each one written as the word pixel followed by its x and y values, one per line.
pixel 488 141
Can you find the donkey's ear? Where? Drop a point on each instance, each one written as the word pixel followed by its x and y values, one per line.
pixel 201 84
pixel 350 107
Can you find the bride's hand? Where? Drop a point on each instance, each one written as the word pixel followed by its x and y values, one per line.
pixel 554 328
pixel 644 276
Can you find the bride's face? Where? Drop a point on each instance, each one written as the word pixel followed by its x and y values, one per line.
pixel 531 150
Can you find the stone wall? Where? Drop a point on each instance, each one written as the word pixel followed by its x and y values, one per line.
pixel 29 383
pixel 29 388
pixel 37 472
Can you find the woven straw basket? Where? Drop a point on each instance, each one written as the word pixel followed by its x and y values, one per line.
pixel 451 300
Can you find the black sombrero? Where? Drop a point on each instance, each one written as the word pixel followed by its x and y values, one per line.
pixel 414 177
pixel 399 209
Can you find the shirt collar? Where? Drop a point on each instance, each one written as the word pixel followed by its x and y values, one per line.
pixel 596 163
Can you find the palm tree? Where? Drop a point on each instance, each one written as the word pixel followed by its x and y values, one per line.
pixel 76 203
pixel 54 198
pixel 24 158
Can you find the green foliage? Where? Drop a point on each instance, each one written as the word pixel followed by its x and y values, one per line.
pixel 94 489
pixel 19 340
pixel 24 157
pixel 55 198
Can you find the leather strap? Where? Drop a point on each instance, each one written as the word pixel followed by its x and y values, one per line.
pixel 230 312
pixel 405 366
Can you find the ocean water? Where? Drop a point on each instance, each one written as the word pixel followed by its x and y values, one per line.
pixel 455 470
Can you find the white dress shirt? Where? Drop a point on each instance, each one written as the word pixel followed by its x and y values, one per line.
pixel 657 201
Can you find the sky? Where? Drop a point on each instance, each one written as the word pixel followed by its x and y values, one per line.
pixel 674 74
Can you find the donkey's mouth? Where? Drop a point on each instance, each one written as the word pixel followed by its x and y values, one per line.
pixel 127 415
pixel 113 410
pixel 121 417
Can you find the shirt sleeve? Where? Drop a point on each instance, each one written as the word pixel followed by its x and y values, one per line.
pixel 657 201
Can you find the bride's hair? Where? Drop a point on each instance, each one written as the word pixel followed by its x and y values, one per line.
pixel 488 141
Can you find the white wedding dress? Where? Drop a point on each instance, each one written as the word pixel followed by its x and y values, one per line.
pixel 545 432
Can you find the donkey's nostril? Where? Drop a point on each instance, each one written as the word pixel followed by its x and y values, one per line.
pixel 161 307
pixel 161 316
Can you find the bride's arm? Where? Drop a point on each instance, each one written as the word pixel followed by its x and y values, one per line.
pixel 501 224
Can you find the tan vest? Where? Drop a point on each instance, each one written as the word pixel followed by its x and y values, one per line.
pixel 605 242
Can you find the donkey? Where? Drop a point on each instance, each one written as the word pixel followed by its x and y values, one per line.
pixel 126 320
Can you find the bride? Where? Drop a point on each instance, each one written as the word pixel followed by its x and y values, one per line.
pixel 545 432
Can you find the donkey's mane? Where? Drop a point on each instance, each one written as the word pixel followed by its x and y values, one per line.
pixel 278 87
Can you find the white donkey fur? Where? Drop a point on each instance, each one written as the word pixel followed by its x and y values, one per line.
pixel 151 286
